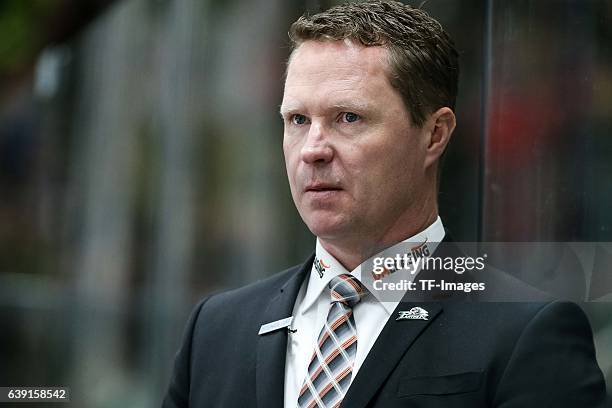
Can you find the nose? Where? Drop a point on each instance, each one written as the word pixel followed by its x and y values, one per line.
pixel 316 148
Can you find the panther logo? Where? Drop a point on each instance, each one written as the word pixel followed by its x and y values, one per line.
pixel 416 313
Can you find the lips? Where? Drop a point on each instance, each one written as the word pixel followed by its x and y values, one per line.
pixel 321 187
pixel 322 193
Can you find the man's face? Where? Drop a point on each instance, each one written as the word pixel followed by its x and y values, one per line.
pixel 355 163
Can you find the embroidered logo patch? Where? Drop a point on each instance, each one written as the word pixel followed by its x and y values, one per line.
pixel 320 266
pixel 416 313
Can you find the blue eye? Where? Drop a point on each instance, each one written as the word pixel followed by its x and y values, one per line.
pixel 350 117
pixel 298 119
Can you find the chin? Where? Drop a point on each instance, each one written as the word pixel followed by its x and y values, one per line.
pixel 327 227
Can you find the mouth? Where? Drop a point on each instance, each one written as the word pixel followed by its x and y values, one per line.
pixel 321 188
pixel 322 193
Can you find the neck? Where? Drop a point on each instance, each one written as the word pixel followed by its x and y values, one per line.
pixel 353 251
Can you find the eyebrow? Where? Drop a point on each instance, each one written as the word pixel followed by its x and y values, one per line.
pixel 352 105
pixel 341 105
pixel 290 108
pixel 283 112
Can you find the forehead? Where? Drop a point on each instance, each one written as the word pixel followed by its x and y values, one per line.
pixel 322 72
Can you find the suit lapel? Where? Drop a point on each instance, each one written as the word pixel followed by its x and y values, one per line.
pixel 272 347
pixel 395 339
pixel 398 335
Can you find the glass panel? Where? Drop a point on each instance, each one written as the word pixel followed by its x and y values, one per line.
pixel 547 171
pixel 548 174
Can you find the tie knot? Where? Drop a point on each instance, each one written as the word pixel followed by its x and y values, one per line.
pixel 346 289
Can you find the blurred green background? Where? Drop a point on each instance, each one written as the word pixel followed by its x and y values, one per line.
pixel 141 166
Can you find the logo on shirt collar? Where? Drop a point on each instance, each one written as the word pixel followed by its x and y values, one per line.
pixel 320 266
pixel 420 250
pixel 401 261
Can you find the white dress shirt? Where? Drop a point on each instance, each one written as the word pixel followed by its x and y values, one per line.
pixel 312 305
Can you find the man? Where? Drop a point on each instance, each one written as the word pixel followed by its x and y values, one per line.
pixel 368 111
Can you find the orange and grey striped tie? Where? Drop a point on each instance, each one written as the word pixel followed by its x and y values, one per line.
pixel 331 365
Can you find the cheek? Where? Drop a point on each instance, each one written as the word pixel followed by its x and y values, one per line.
pixel 380 171
pixel 291 163
pixel 366 174
pixel 288 152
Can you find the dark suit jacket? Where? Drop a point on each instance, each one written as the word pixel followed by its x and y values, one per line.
pixel 468 354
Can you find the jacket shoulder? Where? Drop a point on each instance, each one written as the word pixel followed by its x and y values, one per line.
pixel 261 289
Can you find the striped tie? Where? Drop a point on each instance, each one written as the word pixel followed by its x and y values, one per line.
pixel 331 366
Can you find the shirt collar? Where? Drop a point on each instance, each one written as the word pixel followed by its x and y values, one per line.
pixel 325 267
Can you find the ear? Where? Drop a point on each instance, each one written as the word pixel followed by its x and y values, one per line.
pixel 439 127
